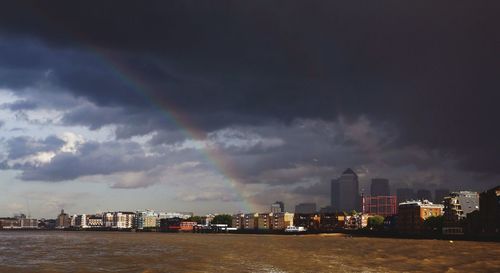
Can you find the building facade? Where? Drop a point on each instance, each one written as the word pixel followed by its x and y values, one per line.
pixel 305 208
pixel 147 219
pixel 345 192
pixel 63 220
pixel 281 220
pixel 405 194
pixel 412 214
pixel 278 206
pixel 380 187
pixel 379 205
pixel 456 207
pixel 424 194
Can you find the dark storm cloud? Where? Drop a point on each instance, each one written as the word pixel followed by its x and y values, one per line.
pixel 429 68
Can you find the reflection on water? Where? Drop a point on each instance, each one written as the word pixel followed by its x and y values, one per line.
pixel 157 252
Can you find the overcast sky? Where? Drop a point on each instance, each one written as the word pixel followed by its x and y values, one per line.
pixel 229 106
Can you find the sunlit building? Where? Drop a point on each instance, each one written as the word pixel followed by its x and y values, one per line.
pixel 411 215
pixel 281 220
pixel 379 205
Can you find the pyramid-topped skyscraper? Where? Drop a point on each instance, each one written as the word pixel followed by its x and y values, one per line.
pixel 345 192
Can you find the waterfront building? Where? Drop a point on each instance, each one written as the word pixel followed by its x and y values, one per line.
pixel 379 205
pixel 170 224
pixel 356 221
pixel 264 221
pixel 119 219
pixel 278 206
pixel 79 221
pixel 238 221
pixel 456 207
pixel 250 221
pixel 380 187
pixel 107 220
pixel 345 192
pixel 440 194
pixel 63 220
pixel 411 215
pixel 310 221
pixel 405 194
pixel 489 211
pixel 424 194
pixel 328 221
pixel 187 226
pixel 147 219
pixel 95 221
pixel 10 223
pixel 305 208
pixel 281 220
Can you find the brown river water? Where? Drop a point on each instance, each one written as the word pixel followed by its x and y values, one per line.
pixel 159 252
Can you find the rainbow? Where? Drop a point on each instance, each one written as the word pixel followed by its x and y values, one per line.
pixel 213 154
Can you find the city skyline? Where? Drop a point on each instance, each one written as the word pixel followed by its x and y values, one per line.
pixel 228 108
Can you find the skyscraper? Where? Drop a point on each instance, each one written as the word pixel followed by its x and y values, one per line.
pixel 278 206
pixel 424 194
pixel 440 194
pixel 345 192
pixel 380 187
pixel 405 194
pixel 305 208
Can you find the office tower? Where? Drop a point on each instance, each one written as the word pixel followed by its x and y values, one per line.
pixel 424 194
pixel 440 194
pixel 345 192
pixel 305 208
pixel 278 206
pixel 405 194
pixel 380 187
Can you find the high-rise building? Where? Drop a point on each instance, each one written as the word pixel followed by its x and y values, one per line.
pixel 345 192
pixel 278 206
pixel 380 187
pixel 456 207
pixel 424 194
pixel 305 208
pixel 405 194
pixel 440 194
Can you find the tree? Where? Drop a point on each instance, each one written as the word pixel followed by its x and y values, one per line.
pixel 196 219
pixel 222 219
pixel 375 222
pixel 434 224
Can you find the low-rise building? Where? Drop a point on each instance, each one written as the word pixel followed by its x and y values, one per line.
pixel 238 221
pixel 146 220
pixel 95 221
pixel 264 221
pixel 281 220
pixel 250 220
pixel 356 221
pixel 310 221
pixel 187 226
pixel 411 215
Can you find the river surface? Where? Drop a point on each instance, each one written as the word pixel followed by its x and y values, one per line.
pixel 159 252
